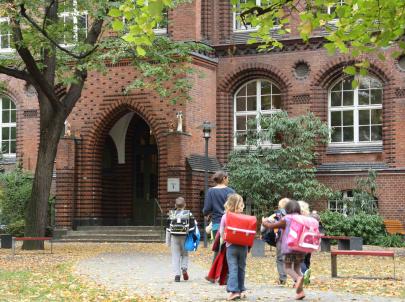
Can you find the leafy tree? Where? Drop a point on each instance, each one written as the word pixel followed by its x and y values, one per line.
pixel 55 54
pixel 263 174
pixel 354 27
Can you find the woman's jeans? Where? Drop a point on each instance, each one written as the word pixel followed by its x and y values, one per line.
pixel 236 258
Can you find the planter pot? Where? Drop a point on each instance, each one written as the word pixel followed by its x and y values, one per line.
pixel 6 241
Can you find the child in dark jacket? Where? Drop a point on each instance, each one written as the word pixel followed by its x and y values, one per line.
pixel 180 222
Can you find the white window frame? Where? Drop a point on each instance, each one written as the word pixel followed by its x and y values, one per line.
pixel 9 49
pixel 75 14
pixel 235 20
pixel 255 113
pixel 355 108
pixel 344 198
pixel 338 3
pixel 7 125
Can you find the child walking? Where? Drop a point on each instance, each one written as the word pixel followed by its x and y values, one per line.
pixel 180 223
pixel 235 254
pixel 292 259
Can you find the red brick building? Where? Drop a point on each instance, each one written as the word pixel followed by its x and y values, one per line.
pixel 123 150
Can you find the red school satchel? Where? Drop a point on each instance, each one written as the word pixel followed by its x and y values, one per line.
pixel 240 229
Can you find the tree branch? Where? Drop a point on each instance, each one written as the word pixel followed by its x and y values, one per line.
pixel 15 73
pixel 37 77
pixel 56 44
pixel 258 11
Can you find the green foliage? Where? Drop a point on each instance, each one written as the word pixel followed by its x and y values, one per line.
pixel 16 190
pixel 391 241
pixel 357 27
pixel 369 227
pixel 16 228
pixel 363 200
pixel 263 174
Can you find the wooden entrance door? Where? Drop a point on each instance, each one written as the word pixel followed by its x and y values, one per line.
pixel 145 175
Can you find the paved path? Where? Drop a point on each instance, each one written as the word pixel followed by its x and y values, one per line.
pixel 150 275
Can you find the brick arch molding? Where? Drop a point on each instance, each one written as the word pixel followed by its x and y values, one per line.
pixel 113 113
pixel 334 70
pixel 251 71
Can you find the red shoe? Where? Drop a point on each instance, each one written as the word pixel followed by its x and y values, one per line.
pixel 185 275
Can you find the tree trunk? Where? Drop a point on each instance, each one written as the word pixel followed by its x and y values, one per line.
pixel 36 217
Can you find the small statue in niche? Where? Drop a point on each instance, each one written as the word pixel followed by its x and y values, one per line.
pixel 179 116
pixel 68 130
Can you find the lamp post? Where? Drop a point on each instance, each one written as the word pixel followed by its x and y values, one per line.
pixel 206 127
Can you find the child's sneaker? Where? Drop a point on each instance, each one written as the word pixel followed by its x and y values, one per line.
pixel 177 278
pixel 185 275
pixel 307 277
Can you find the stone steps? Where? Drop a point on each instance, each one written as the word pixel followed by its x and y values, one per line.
pixel 114 234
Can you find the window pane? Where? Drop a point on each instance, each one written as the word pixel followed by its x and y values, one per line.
pixel 251 123
pixel 82 27
pixel 68 30
pixel 251 103
pixel 348 98
pixel 6 116
pixel 241 104
pixel 347 118
pixel 13 133
pixel 364 133
pixel 337 87
pixel 5 147
pixel 241 123
pixel 242 91
pixel 364 83
pixel 348 134
pixel 5 41
pixel 241 138
pixel 266 87
pixel 12 105
pixel 376 117
pixel 364 97
pixel 336 99
pixel 336 118
pixel 6 103
pixel 376 96
pixel 275 90
pixel 251 88
pixel 13 119
pixel 276 101
pixel 266 102
pixel 364 117
pixel 347 83
pixel 336 134
pixel 12 147
pixel 376 133
pixel 375 83
pixel 5 133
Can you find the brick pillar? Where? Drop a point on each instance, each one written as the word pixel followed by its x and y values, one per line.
pixel 185 22
pixel 65 183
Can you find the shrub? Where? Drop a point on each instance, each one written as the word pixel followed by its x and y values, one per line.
pixel 391 241
pixel 16 228
pixel 16 190
pixel 369 227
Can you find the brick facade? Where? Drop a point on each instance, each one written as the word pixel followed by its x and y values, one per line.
pixel 87 195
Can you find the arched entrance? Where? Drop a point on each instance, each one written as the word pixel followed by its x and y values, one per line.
pixel 129 173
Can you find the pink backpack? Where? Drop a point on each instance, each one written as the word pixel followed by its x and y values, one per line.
pixel 303 234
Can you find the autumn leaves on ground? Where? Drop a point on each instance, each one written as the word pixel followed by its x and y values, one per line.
pixel 35 276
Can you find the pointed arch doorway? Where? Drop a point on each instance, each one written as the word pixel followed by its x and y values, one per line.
pixel 130 173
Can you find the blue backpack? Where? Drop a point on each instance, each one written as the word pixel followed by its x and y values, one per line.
pixel 192 240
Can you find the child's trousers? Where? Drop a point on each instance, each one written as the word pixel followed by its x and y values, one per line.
pixel 179 255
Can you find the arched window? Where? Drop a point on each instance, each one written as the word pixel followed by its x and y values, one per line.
pixel 257 97
pixel 355 115
pixel 8 126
